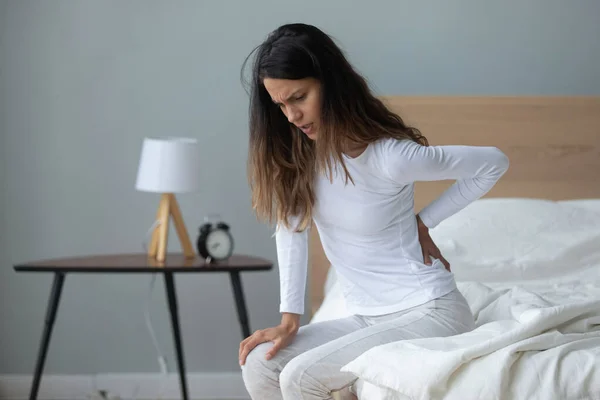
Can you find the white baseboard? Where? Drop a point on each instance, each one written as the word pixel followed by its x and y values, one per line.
pixel 201 386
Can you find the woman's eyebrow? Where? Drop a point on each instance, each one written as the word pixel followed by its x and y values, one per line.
pixel 289 97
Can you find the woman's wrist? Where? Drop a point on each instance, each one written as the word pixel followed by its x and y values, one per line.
pixel 290 321
pixel 421 225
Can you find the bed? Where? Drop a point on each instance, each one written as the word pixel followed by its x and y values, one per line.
pixel 526 257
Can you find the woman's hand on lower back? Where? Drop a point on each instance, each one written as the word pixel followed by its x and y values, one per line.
pixel 280 336
pixel 430 249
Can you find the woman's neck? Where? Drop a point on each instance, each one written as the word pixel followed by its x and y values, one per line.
pixel 355 149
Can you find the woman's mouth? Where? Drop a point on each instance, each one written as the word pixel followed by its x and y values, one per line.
pixel 307 129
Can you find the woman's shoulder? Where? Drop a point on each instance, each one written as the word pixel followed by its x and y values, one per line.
pixel 393 154
pixel 382 151
pixel 393 147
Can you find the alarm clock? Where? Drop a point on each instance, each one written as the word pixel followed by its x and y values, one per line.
pixel 215 241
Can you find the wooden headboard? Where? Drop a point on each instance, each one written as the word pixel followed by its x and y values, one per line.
pixel 553 144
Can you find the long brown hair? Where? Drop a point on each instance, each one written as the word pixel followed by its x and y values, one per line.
pixel 283 162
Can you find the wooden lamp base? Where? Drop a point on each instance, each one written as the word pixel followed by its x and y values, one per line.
pixel 167 208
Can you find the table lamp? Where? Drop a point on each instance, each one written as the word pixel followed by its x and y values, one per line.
pixel 168 166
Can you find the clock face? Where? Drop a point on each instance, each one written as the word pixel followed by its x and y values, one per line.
pixel 218 244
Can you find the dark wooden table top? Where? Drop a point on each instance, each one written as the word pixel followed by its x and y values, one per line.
pixel 140 262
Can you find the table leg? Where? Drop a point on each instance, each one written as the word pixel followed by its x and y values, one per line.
pixel 57 285
pixel 240 303
pixel 172 299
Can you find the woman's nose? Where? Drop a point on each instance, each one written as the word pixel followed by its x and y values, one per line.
pixel 294 115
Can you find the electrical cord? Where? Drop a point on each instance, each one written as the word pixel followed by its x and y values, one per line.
pixel 162 363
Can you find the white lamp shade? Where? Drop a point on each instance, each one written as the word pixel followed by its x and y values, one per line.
pixel 170 165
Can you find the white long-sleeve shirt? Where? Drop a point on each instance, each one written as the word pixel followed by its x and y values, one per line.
pixel 369 229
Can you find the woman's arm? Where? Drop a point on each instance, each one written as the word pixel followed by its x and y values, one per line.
pixel 476 170
pixel 292 257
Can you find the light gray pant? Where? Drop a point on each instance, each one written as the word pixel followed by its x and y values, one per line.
pixel 309 367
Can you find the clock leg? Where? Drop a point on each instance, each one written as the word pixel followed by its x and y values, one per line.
pixel 240 302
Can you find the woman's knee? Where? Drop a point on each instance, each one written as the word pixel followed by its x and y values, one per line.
pixel 307 374
pixel 295 376
pixel 258 373
pixel 290 376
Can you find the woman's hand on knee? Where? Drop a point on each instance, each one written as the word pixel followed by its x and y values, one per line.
pixel 280 336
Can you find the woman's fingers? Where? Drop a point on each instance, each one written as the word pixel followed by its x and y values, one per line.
pixel 246 349
pixel 250 343
pixel 426 256
pixel 277 335
pixel 274 349
pixel 243 343
pixel 445 262
pixel 433 252
pixel 438 255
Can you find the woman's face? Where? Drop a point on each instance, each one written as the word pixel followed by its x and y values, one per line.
pixel 299 100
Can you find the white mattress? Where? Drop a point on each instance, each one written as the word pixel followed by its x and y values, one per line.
pixel 530 270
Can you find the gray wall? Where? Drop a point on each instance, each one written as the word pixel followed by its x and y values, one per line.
pixel 82 83
pixel 3 187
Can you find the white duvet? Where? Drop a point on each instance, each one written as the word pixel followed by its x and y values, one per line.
pixel 530 271
pixel 526 346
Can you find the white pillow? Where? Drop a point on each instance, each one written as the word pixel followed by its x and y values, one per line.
pixel 500 239
pixel 590 204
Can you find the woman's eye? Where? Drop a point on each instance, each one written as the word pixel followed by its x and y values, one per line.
pixel 300 97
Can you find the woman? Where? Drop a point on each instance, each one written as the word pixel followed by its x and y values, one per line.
pixel 324 149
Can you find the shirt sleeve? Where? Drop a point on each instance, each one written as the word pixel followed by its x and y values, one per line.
pixel 476 170
pixel 292 258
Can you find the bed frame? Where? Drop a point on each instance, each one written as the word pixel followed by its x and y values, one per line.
pixel 553 144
